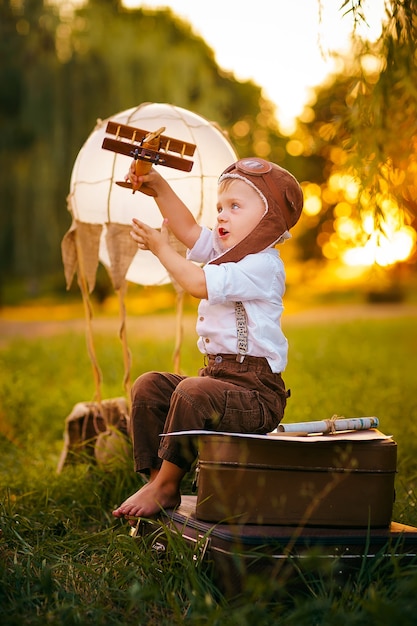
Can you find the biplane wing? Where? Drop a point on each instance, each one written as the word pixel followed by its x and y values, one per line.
pixel 135 147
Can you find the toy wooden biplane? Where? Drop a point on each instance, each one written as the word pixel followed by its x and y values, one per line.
pixel 147 149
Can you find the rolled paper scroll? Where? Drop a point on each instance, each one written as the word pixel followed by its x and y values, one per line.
pixel 331 425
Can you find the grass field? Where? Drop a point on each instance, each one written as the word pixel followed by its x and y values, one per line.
pixel 65 560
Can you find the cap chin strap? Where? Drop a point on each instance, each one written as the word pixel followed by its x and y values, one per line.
pixel 242 332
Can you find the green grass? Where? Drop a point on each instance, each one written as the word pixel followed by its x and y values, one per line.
pixel 65 560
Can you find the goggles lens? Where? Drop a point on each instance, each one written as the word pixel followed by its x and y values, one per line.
pixel 252 166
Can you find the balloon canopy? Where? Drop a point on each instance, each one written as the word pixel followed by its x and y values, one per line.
pixel 106 210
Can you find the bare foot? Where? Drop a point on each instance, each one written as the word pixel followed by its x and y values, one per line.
pixel 149 500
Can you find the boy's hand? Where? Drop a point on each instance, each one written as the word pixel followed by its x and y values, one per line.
pixel 182 222
pixel 189 276
pixel 152 180
pixel 149 238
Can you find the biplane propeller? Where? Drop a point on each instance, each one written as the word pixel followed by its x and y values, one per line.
pixel 148 148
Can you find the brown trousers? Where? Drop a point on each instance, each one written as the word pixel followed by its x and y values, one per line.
pixel 226 396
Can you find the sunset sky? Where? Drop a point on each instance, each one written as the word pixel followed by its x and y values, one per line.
pixel 282 45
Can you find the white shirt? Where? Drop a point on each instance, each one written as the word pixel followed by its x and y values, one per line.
pixel 258 281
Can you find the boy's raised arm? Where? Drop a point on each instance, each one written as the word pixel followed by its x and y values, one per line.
pixel 181 221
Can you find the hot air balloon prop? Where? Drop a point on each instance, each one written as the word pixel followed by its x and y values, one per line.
pixel 192 152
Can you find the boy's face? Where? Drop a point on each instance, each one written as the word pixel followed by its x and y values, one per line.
pixel 240 208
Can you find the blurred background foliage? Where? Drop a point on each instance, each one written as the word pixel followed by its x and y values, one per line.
pixel 354 147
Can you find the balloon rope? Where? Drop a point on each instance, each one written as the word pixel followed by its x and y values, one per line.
pixel 82 282
pixel 178 332
pixel 127 357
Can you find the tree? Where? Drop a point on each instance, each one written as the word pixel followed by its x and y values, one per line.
pixel 61 71
pixel 363 130
pixel 382 106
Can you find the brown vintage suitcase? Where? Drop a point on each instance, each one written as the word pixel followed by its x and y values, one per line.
pixel 291 556
pixel 340 480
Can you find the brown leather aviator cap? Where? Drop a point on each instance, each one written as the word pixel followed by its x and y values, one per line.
pixel 282 195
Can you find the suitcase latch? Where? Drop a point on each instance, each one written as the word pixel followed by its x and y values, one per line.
pixel 194 486
pixel 203 545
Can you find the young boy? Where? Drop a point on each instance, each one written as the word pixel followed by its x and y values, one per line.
pixel 241 286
